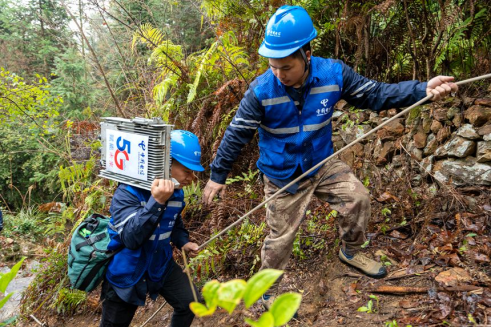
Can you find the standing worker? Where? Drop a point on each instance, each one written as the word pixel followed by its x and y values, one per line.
pixel 291 105
pixel 145 223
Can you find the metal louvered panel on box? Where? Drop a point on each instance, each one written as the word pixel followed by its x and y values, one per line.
pixel 157 155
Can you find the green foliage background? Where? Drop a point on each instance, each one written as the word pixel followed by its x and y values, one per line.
pixel 188 62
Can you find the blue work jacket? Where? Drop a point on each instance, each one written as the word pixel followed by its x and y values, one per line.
pixel 293 138
pixel 145 229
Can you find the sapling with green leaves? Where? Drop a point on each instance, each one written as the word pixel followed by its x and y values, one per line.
pixel 228 295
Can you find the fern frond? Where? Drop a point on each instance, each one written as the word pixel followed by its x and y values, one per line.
pixel 149 35
pixel 201 69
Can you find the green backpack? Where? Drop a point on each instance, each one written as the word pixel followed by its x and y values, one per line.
pixel 88 256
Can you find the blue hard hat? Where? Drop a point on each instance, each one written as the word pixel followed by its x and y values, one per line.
pixel 185 148
pixel 287 31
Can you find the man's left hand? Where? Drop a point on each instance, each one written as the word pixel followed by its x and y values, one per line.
pixel 440 87
pixel 191 249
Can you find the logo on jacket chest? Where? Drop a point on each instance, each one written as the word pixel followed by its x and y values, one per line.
pixel 171 223
pixel 325 110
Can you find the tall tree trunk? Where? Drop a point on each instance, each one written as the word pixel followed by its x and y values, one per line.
pixel 367 29
pixel 81 11
pixel 412 39
pixel 41 21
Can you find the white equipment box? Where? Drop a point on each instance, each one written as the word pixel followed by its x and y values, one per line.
pixel 135 152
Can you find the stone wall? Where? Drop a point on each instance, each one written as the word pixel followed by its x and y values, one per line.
pixel 449 139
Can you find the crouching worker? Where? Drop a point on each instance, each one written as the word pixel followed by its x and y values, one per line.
pixel 145 223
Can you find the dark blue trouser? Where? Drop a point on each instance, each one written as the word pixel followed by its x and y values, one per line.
pixel 175 290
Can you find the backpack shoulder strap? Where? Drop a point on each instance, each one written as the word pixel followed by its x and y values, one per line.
pixel 136 192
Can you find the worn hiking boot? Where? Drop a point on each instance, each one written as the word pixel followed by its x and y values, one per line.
pixel 267 301
pixel 369 267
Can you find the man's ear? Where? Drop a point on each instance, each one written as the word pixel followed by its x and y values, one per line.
pixel 308 55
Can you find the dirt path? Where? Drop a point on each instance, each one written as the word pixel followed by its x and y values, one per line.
pixel 329 299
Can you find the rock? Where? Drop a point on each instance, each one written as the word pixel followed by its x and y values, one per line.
pixel 486 137
pixel 483 102
pixel 416 180
pixel 420 139
pixel 435 126
pixel 392 112
pixel 483 151
pixel 431 145
pixel 457 147
pixel 349 134
pixel 337 145
pixel 460 172
pixel 478 115
pixel 337 114
pixel 471 202
pixel 427 163
pixel 467 131
pixel 484 130
pixel 391 131
pixel 359 117
pixel 374 118
pixel 414 151
pixel 382 113
pixel 443 134
pixel 451 101
pixel 385 153
pixel 452 112
pixel 414 117
pixel 398 160
pixel 20 282
pixel 340 104
pixel 448 123
pixel 458 120
pixel 453 277
pixel 350 155
pixel 426 122
pixel 467 101
pixel 440 177
pixel 440 114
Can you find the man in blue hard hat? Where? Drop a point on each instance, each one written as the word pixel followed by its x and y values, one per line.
pixel 143 225
pixel 291 106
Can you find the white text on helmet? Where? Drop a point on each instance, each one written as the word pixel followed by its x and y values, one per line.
pixel 273 33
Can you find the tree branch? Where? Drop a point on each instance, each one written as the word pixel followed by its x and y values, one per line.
pixel 120 111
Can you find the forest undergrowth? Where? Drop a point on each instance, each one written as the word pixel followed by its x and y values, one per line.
pixel 429 240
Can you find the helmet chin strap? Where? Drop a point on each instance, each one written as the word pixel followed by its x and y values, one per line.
pixel 303 54
pixel 306 65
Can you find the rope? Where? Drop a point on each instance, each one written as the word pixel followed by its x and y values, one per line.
pixel 333 155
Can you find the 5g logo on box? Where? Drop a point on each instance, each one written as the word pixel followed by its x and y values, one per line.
pixel 122 153
pixel 126 153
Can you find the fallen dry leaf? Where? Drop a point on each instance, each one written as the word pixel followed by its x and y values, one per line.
pixel 386 196
pixel 453 277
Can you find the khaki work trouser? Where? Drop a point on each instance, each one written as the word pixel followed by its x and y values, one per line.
pixel 333 183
